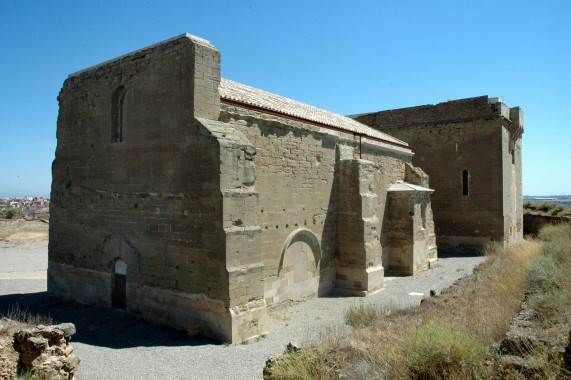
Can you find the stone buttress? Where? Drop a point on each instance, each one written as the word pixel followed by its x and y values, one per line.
pixel 359 256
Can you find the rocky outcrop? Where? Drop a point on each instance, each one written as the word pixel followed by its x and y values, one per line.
pixel 46 350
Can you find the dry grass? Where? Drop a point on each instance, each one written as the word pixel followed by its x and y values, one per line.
pixel 448 337
pixel 304 364
pixel 16 318
pixel 361 315
pixel 549 283
pixel 495 295
pixel 435 350
pixel 31 376
pixel 549 280
pixel 546 208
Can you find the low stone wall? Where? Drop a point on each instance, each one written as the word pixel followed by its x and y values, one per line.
pixel 527 336
pixel 532 223
pixel 44 350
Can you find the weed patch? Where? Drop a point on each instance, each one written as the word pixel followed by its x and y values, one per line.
pixel 436 350
pixel 16 318
pixel 361 315
pixel 303 364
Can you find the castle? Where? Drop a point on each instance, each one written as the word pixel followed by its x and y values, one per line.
pixel 198 202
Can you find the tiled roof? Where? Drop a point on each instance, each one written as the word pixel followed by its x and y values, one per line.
pixel 249 95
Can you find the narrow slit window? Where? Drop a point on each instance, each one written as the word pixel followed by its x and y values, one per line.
pixel 118 115
pixel 465 182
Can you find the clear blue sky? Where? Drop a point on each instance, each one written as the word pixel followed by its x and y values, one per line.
pixel 346 57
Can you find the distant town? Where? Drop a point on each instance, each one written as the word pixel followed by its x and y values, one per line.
pixel 27 206
pixel 32 205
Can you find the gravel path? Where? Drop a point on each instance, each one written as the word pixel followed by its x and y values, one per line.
pixel 114 345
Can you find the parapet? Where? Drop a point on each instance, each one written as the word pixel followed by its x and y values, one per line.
pixel 450 111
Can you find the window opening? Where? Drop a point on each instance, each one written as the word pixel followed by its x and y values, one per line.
pixel 465 182
pixel 423 214
pixel 118 114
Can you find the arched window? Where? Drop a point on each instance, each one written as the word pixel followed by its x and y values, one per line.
pixel 118 115
pixel 465 182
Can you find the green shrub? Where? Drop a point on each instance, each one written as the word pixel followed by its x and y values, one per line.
pixel 11 213
pixel 546 206
pixel 436 350
pixel 304 364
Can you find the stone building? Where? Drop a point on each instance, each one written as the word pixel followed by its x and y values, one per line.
pixel 198 202
pixel 471 150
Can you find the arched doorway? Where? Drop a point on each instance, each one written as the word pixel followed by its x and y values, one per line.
pixel 299 265
pixel 119 295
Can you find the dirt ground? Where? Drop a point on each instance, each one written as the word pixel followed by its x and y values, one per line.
pixel 23 231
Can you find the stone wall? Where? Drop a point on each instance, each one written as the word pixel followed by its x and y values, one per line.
pixel 457 110
pixel 471 135
pixel 42 350
pixel 298 178
pixel 532 223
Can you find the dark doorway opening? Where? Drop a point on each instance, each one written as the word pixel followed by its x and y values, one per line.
pixel 119 295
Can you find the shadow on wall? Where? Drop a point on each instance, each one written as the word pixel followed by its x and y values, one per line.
pixel 110 328
pixel 328 238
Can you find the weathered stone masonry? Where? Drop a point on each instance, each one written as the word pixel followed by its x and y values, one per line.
pixel 197 202
pixel 471 149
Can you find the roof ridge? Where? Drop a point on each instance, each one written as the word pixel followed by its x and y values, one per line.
pixel 263 99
